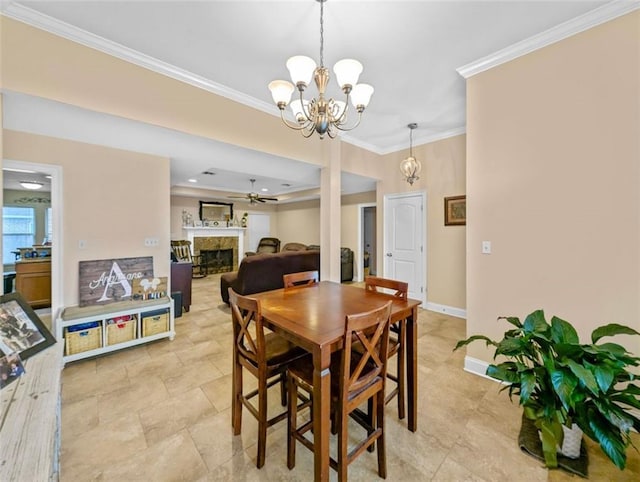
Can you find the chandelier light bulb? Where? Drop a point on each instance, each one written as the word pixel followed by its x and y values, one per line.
pixel 301 69
pixel 281 91
pixel 361 95
pixel 347 73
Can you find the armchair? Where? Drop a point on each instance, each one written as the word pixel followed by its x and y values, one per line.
pixel 266 245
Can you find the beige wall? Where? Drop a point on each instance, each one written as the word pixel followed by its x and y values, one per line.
pixel 553 182
pixel 299 222
pixel 443 174
pixel 112 199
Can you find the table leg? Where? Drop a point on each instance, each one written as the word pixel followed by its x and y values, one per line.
pixel 321 412
pixel 412 369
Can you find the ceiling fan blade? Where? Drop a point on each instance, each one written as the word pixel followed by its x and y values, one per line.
pixel 260 200
pixel 269 198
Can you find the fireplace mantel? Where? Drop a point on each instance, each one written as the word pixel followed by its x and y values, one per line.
pixel 196 232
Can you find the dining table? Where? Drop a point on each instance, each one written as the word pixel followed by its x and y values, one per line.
pixel 313 317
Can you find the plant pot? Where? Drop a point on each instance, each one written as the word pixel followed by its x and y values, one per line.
pixel 571 442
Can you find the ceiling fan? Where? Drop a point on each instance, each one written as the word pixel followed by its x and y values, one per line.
pixel 254 197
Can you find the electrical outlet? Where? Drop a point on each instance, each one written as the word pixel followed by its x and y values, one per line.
pixel 151 242
pixel 82 244
pixel 486 247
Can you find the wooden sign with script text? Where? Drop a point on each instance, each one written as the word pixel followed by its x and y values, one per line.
pixel 109 280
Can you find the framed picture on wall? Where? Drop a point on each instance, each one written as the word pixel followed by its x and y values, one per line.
pixel 21 331
pixel 455 211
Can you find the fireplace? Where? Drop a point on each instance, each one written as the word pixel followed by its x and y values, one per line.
pixel 217 260
pixel 219 253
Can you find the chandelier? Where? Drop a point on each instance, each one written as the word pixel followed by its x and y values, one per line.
pixel 319 114
pixel 411 167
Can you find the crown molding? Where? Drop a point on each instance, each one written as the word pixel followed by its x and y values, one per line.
pixel 571 27
pixel 418 141
pixel 62 29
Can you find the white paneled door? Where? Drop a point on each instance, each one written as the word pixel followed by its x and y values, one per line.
pixel 405 241
pixel 258 227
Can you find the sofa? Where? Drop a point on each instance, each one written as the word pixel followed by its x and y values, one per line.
pixel 346 262
pixel 263 272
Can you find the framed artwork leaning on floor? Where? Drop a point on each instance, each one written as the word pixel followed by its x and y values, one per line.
pixel 21 330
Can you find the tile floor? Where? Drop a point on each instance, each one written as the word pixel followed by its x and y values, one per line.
pixel 161 412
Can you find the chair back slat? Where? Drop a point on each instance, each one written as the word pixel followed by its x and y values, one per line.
pixel 248 329
pixel 401 288
pixel 182 250
pixel 301 278
pixel 371 330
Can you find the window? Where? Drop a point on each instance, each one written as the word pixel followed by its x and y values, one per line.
pixel 18 231
pixel 48 224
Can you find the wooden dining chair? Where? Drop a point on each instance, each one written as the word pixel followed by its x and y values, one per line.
pixel 397 338
pixel 356 377
pixel 301 278
pixel 266 357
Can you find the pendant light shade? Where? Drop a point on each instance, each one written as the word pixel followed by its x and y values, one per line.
pixel 411 167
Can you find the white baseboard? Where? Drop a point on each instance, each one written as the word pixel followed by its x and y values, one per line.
pixel 477 367
pixel 447 310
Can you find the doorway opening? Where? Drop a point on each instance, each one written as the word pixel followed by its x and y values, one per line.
pixel 53 222
pixel 366 254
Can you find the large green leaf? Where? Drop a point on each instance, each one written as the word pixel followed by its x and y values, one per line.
pixel 626 399
pixel 604 376
pixel 503 372
pixel 585 376
pixel 568 350
pixel 610 440
pixel 612 350
pixel 514 320
pixel 615 415
pixel 512 347
pixel 462 343
pixel 563 332
pixel 611 329
pixel 551 435
pixel 535 322
pixel 632 388
pixel 564 383
pixel 527 385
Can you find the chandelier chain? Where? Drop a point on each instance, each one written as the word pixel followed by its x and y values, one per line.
pixel 411 141
pixel 321 33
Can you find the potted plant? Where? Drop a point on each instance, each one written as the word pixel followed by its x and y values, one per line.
pixel 561 382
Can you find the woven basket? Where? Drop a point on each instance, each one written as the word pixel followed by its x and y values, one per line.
pixel 121 331
pixel 154 323
pixel 85 340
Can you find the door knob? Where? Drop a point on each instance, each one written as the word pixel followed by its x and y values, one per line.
pixel 389 254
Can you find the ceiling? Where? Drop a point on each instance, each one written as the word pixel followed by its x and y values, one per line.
pixel 410 51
